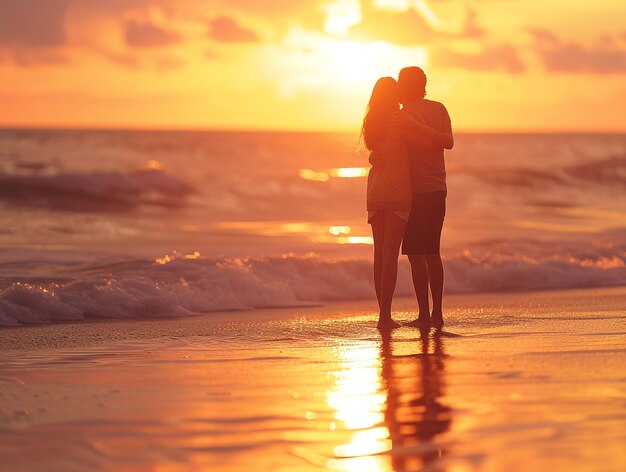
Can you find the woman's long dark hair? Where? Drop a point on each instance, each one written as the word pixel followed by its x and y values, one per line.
pixel 383 102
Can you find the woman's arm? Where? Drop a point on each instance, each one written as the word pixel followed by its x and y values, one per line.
pixel 402 119
pixel 430 136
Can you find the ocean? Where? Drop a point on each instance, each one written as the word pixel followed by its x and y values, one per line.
pixel 135 224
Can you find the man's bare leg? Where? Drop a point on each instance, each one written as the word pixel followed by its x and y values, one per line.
pixel 419 273
pixel 435 277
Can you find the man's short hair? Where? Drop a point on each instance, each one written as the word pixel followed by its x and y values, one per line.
pixel 412 83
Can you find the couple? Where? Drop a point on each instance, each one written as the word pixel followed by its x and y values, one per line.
pixel 406 190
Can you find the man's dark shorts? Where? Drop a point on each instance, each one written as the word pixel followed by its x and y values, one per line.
pixel 423 231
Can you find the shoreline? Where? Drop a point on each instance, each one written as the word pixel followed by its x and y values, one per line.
pixel 405 308
pixel 530 381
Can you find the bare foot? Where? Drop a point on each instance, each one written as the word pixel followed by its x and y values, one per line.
pixel 437 320
pixel 422 322
pixel 387 324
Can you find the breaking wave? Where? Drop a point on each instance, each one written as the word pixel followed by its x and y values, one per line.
pixel 182 285
pixel 609 172
pixel 97 191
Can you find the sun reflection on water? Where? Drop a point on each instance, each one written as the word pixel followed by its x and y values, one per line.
pixel 355 240
pixel 358 402
pixel 337 230
pixel 317 233
pixel 349 172
pixel 309 174
pixel 338 172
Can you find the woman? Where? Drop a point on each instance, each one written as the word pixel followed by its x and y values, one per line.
pixel 388 191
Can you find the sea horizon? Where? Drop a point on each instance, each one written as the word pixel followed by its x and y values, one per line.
pixel 346 130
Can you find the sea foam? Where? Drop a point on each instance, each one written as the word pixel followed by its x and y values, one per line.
pixel 183 285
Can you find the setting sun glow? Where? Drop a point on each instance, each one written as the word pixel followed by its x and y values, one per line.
pixel 311 65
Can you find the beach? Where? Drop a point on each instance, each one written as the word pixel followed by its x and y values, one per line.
pixel 194 301
pixel 201 204
pixel 516 382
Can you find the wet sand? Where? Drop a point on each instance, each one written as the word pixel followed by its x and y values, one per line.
pixel 516 382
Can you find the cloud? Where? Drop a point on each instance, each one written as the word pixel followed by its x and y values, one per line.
pixel 33 32
pixel 33 23
pixel 24 57
pixel 305 11
pixel 471 27
pixel 405 28
pixel 227 30
pixel 146 35
pixel 543 36
pixel 503 57
pixel 169 63
pixel 606 56
pixel 121 59
pixel 408 27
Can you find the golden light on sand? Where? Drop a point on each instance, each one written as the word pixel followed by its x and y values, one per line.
pixel 368 441
pixel 358 402
pixel 356 398
pixel 358 464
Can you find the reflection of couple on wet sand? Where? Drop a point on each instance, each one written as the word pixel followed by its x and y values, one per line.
pixel 406 190
pixel 415 414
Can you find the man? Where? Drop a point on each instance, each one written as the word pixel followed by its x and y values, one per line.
pixel 431 134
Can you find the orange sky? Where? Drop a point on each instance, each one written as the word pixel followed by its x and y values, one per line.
pixel 309 64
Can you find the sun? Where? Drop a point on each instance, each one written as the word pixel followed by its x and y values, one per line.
pixel 352 61
pixel 313 61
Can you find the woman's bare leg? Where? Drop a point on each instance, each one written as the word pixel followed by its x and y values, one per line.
pixel 378 233
pixel 394 231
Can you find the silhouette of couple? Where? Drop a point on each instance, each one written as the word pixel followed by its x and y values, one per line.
pixel 406 190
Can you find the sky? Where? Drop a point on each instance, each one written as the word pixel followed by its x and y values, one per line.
pixel 497 65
